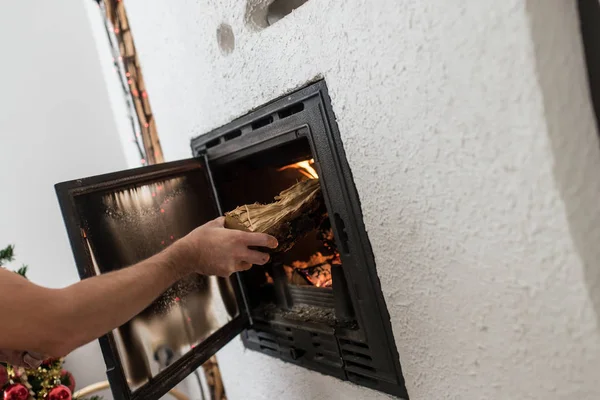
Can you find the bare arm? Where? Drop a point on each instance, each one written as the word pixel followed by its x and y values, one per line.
pixel 56 321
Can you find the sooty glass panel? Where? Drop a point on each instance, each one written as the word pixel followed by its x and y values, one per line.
pixel 126 226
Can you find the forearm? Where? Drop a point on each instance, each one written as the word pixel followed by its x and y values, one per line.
pixel 96 306
pixel 56 321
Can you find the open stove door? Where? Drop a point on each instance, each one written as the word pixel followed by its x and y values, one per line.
pixel 118 219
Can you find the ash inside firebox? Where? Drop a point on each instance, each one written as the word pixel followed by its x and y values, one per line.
pixel 304 313
pixel 301 313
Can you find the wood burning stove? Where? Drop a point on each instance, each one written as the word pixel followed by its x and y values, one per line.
pixel 318 306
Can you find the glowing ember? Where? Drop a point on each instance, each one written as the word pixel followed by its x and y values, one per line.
pixel 305 168
pixel 317 271
pixel 269 279
pixel 326 236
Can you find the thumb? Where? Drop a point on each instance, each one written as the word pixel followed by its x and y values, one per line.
pixel 218 222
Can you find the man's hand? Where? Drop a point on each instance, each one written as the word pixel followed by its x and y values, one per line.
pixel 213 249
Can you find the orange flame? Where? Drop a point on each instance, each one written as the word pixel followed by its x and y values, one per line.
pixel 305 168
pixel 268 277
pixel 317 270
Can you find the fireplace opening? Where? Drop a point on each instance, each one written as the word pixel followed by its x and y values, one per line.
pixel 300 284
pixel 319 305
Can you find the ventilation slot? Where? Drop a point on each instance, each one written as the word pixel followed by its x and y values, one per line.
pixel 357 360
pixel 346 342
pixel 213 143
pixel 262 122
pixel 355 347
pixel 271 340
pixel 326 347
pixel 295 109
pixel 280 9
pixel 326 350
pixel 232 135
pixel 267 348
pixel 362 380
pixel 360 366
pixel 339 222
pixel 268 341
pixel 289 334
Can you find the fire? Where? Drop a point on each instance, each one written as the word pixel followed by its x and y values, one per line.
pixel 326 236
pixel 305 168
pixel 317 270
pixel 268 278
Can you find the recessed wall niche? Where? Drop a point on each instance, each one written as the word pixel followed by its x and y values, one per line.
pixel 261 14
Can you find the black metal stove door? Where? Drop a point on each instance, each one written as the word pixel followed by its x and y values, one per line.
pixel 119 219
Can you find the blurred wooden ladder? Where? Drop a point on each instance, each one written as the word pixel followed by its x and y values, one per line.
pixel 94 388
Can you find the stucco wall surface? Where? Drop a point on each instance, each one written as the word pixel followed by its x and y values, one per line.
pixel 470 135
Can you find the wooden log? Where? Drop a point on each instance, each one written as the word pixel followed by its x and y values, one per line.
pixel 213 379
pixel 294 213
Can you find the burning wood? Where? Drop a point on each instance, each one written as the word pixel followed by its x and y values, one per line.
pixel 305 168
pixel 295 212
pixel 325 235
pixel 315 271
pixel 268 278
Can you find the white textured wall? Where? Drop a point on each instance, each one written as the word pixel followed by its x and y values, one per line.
pixel 471 139
pixel 56 124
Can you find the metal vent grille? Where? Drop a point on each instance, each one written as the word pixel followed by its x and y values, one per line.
pixel 358 362
pixel 251 126
pixel 297 345
pixel 272 340
pixel 326 350
pixel 312 296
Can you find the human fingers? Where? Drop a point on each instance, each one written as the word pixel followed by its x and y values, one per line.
pixel 259 240
pixel 255 257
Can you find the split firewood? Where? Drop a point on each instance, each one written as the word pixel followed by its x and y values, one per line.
pixel 294 213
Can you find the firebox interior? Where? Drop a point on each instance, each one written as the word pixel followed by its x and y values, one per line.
pixel 298 282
